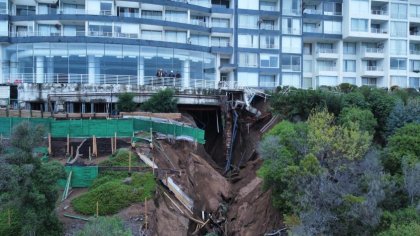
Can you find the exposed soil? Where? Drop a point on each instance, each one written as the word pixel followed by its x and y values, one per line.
pixel 237 203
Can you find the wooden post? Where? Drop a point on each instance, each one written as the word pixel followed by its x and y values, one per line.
pixel 153 160
pixel 97 208
pixel 129 161
pixel 71 151
pixel 115 141
pixel 95 147
pixel 112 145
pixel 68 144
pixel 90 155
pixel 145 212
pixel 49 143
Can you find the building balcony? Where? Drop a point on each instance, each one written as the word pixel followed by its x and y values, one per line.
pixel 327 71
pixel 379 14
pixel 374 53
pixel 312 12
pixel 373 71
pixel 326 53
pixel 415 35
pixel 379 31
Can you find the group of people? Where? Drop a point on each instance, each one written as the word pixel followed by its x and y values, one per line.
pixel 161 73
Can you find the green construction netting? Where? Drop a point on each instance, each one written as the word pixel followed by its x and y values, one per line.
pixel 81 177
pixel 101 128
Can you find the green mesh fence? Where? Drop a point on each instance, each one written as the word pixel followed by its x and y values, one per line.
pixel 101 128
pixel 81 177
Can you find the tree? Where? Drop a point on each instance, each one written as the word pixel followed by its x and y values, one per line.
pixel 402 114
pixel 126 103
pixel 29 187
pixel 403 144
pixel 363 117
pixel 411 229
pixel 105 226
pixel 411 173
pixel 162 101
pixel 323 174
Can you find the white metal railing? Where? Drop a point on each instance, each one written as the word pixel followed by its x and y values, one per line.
pixel 312 11
pixel 267 26
pixel 268 8
pixel 415 15
pixel 129 14
pixel 312 30
pixel 220 44
pixel 291 12
pixel 379 12
pixel 197 22
pixel 110 79
pixel 200 3
pixel 373 68
pixel 327 68
pixel 3 11
pixel 71 11
pixel 326 50
pixel 415 52
pixel 374 50
pixel 415 33
pixel 378 31
pixel 269 46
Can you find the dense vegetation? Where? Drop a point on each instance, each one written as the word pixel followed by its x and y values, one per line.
pixel 28 187
pixel 105 226
pixel 126 102
pixel 111 191
pixel 163 101
pixel 345 162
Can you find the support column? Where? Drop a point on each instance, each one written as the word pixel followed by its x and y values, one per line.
pixel 83 107
pixel 92 107
pixel 50 70
pixel 39 70
pixel 140 72
pixel 186 75
pixel 91 69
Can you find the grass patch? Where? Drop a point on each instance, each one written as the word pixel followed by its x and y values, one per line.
pixel 113 195
pixel 121 158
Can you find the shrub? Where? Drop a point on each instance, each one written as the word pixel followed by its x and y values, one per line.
pixel 364 118
pixel 163 101
pixel 402 114
pixel 411 229
pixel 105 226
pixel 126 103
pixel 121 158
pixel 112 195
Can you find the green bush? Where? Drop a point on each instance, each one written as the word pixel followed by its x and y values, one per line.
pixel 113 195
pixel 163 101
pixel 15 222
pixel 364 118
pixel 126 103
pixel 411 229
pixel 121 158
pixel 105 226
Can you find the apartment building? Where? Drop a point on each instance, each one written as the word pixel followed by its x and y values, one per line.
pixel 205 43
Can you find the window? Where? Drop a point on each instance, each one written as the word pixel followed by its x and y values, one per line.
pixel 248 60
pixel 349 80
pixel 155 15
pixel 307 82
pixel 291 26
pixel 3 6
pixel 291 44
pixel 326 65
pixel 307 66
pixel 106 8
pixel 248 21
pixel 268 24
pixel 151 35
pixel 269 61
pixel 325 48
pixel 398 64
pixel 398 29
pixel 290 63
pixel 332 27
pixel 359 25
pixel 179 16
pixel 175 36
pixel 398 47
pixel 267 81
pixel 359 7
pixel 414 83
pixel 332 8
pixel 349 66
pixel 220 42
pixel 220 22
pixel 326 81
pixel 349 48
pixel 307 48
pixel 24 10
pixel 269 41
pixel 415 66
pixel 247 41
pixel 398 11
pixel 415 11
pixel 291 7
pixel 268 6
pixel 369 81
pixel 399 81
pixel 202 40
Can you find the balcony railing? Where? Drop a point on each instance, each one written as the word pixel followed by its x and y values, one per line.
pixel 267 84
pixel 379 12
pixel 269 46
pixel 378 31
pixel 109 79
pixel 327 68
pixel 415 52
pixel 312 30
pixel 373 68
pixel 220 44
pixel 415 33
pixel 374 50
pixel 268 8
pixel 326 50
pixel 312 12
pixel 197 22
